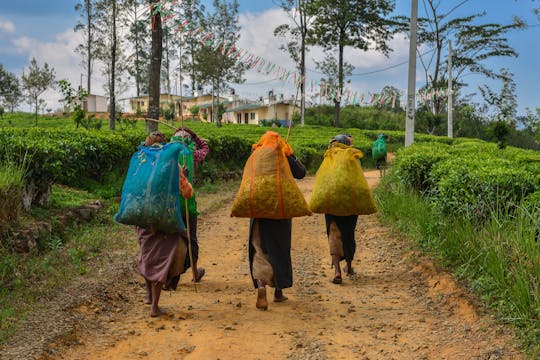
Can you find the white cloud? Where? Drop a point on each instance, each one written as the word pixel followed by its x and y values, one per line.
pixel 59 54
pixel 257 37
pixel 6 27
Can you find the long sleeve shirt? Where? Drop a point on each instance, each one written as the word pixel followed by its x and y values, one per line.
pixel 201 150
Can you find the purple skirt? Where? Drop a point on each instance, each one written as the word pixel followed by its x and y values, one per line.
pixel 157 254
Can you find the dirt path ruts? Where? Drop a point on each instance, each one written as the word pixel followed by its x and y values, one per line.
pixel 396 307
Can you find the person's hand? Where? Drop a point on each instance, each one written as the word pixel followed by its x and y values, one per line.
pixel 185 171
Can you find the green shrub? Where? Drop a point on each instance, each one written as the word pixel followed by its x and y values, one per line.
pixel 12 173
pixel 469 178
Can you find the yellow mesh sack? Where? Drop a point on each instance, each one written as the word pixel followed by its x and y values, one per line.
pixel 268 189
pixel 340 185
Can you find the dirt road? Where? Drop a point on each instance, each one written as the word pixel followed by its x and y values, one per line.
pixel 397 306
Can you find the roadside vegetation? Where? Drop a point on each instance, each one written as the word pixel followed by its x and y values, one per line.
pixel 477 209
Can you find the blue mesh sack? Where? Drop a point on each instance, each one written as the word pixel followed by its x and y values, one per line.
pixel 151 191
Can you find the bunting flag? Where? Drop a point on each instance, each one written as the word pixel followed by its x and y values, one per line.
pixel 278 72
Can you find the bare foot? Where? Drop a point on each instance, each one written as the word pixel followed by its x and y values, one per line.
pixel 349 270
pixel 279 297
pixel 148 299
pixel 156 311
pixel 200 274
pixel 262 302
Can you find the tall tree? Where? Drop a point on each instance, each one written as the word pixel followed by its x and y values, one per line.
pixel 108 13
pixel 214 65
pixel 361 24
pixel 504 104
pixel 155 67
pixel 35 81
pixel 392 96
pixel 473 43
pixel 86 25
pixel 504 107
pixel 329 67
pixel 138 61
pixel 192 12
pixel 170 54
pixel 295 35
pixel 10 90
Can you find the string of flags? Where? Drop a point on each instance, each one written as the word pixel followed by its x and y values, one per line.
pixel 317 88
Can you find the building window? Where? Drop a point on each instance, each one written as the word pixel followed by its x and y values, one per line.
pixel 239 118
pixel 142 103
pixel 252 116
pixel 246 118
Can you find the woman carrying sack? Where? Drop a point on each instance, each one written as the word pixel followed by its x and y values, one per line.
pixel 159 250
pixel 341 193
pixel 270 197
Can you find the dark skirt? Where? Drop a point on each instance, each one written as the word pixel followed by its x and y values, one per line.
pixel 157 253
pixel 275 242
pixel 193 239
pixel 347 227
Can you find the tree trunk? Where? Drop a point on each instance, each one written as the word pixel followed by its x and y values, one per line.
pixel 137 64
pixel 155 70
pixel 36 109
pixel 218 117
pixel 167 70
pixel 89 46
pixel 303 31
pixel 337 100
pixel 112 110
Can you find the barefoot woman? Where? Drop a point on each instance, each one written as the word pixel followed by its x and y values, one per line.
pixel 158 249
pixel 340 231
pixel 270 250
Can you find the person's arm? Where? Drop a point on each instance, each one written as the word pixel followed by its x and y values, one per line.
pixel 185 187
pixel 297 168
pixel 201 150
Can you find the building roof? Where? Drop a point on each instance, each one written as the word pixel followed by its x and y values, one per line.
pixel 246 107
pixel 209 105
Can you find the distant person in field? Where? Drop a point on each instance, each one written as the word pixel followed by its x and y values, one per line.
pixel 198 151
pixel 340 230
pixel 270 250
pixel 160 251
pixel 379 153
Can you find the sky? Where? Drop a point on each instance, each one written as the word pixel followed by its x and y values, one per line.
pixel 44 30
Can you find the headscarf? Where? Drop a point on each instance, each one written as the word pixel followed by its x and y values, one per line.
pixel 182 134
pixel 155 137
pixel 342 138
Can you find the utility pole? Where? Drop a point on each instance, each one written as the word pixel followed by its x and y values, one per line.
pixel 411 89
pixel 450 95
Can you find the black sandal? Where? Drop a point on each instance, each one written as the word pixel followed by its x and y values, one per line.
pixel 337 280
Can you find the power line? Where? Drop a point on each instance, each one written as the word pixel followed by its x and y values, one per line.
pixel 257 83
pixel 379 70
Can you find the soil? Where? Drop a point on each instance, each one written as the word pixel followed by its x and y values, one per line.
pixel 397 306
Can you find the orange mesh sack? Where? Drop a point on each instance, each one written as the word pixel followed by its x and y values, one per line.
pixel 340 185
pixel 268 189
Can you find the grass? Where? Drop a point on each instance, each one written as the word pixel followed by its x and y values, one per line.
pixel 64 197
pixel 499 259
pixel 11 189
pixel 39 276
pixel 27 120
